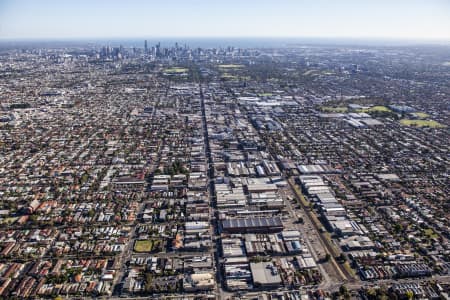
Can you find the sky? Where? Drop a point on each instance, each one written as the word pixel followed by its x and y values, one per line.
pixel 73 19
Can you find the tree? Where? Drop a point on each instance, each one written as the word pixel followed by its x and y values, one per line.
pixel 371 293
pixel 342 258
pixel 91 213
pixel 409 294
pixel 343 291
pixel 398 228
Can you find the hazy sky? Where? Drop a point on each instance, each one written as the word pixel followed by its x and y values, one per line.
pixel 410 19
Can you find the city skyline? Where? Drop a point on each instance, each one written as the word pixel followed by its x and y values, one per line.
pixel 412 20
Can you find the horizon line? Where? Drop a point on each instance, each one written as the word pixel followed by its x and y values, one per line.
pixel 311 40
pixel 230 36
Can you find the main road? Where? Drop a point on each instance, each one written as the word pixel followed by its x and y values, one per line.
pixel 212 197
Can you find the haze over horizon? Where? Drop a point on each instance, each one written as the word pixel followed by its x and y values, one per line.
pixel 49 19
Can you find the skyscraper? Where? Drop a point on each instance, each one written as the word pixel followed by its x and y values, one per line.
pixel 145 47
